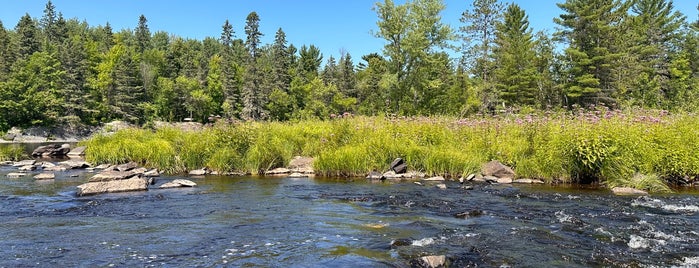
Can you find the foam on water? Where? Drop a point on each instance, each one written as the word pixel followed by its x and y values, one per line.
pixel 659 204
pixel 688 262
pixel 423 242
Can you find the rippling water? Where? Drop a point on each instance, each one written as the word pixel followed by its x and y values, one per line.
pixel 282 222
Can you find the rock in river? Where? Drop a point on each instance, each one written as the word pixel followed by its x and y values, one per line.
pixel 628 191
pixel 178 183
pixel 197 172
pixel 45 176
pixel 114 186
pixel 430 261
pixel 497 169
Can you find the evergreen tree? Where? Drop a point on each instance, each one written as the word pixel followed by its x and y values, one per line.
pixel 516 75
pixel 590 30
pixel 48 23
pixel 142 34
pixel 28 37
pixel 253 97
pixel 280 104
pixel 229 83
pixel 655 27
pixel 347 80
pixel 7 53
pixel 330 72
pixel 479 34
pixel 309 62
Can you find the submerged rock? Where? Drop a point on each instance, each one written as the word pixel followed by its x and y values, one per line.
pixel 114 186
pixel 628 191
pixel 45 176
pixel 27 168
pixel 297 175
pixel 528 181
pixel 178 183
pixel 24 163
pixel 441 186
pixel 15 175
pixel 469 214
pixel 430 261
pixel 497 169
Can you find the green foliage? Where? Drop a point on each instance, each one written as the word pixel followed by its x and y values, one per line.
pixel 605 146
pixel 11 153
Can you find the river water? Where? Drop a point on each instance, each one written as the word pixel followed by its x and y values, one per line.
pixel 284 222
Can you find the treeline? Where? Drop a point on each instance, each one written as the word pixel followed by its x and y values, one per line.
pixel 636 53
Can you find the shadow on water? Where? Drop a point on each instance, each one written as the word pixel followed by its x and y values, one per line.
pixel 253 221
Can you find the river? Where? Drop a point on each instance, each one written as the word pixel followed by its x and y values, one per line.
pixel 284 222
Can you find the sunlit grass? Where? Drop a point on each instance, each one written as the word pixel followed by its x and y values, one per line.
pixel 599 146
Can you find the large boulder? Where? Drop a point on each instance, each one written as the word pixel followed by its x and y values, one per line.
pixel 301 164
pixel 498 170
pixel 114 186
pixel 52 150
pixel 399 166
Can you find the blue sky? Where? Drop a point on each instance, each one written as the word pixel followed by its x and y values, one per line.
pixel 333 26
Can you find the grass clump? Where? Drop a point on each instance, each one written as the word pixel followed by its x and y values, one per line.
pixel 11 153
pixel 599 146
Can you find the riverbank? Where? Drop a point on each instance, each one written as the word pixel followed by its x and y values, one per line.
pixel 648 150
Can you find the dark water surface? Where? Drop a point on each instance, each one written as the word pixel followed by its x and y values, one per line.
pixel 283 222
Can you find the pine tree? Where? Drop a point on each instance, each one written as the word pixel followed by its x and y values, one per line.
pixel 516 75
pixel 253 98
pixel 656 28
pixel 229 84
pixel 347 80
pixel 479 35
pixel 7 53
pixel 590 29
pixel 48 23
pixel 142 34
pixel 28 37
pixel 282 62
pixel 330 72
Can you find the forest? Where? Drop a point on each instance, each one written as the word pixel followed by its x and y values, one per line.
pixel 632 54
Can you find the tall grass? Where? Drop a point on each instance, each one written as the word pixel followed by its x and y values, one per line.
pixel 11 152
pixel 598 146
